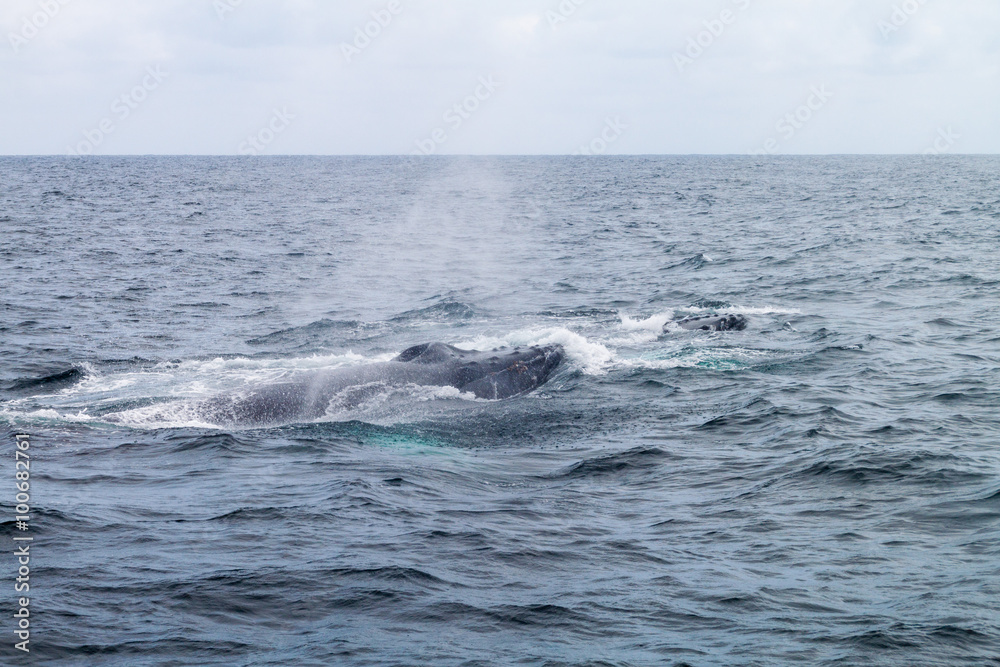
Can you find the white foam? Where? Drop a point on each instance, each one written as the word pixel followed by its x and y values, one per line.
pixel 690 357
pixel 177 414
pixel 641 331
pixel 44 415
pixel 202 377
pixel 428 393
pixel 592 358
pixel 652 323
pixel 187 382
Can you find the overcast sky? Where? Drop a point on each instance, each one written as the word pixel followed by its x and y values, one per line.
pixel 527 76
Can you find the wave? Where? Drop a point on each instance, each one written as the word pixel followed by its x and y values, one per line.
pixel 862 466
pixel 326 331
pixel 447 310
pixel 632 460
pixel 51 380
pixel 309 331
pixel 694 262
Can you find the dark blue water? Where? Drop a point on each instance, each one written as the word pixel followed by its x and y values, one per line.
pixel 822 488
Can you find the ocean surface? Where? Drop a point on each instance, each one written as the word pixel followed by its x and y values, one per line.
pixel 822 488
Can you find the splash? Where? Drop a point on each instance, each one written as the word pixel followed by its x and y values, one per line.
pixel 590 357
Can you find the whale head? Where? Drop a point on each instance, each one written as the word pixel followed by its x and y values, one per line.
pixel 713 323
pixel 494 374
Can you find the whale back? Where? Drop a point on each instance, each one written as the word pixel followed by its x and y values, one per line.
pixel 493 374
pixel 431 353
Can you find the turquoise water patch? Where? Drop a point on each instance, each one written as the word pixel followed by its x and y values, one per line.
pixel 690 357
pixel 403 442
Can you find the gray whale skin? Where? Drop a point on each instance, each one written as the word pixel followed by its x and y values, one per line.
pixel 495 374
pixel 714 323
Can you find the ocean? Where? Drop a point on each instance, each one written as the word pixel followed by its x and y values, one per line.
pixel 821 488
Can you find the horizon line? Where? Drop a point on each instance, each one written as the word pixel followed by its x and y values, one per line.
pixel 467 155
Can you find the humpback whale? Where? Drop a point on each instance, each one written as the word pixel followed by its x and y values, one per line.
pixel 714 323
pixel 495 374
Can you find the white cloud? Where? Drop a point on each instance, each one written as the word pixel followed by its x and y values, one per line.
pixel 559 83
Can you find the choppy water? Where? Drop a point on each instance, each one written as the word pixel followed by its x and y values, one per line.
pixel 822 488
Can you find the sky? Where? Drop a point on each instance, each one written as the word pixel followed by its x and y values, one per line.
pixel 273 77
